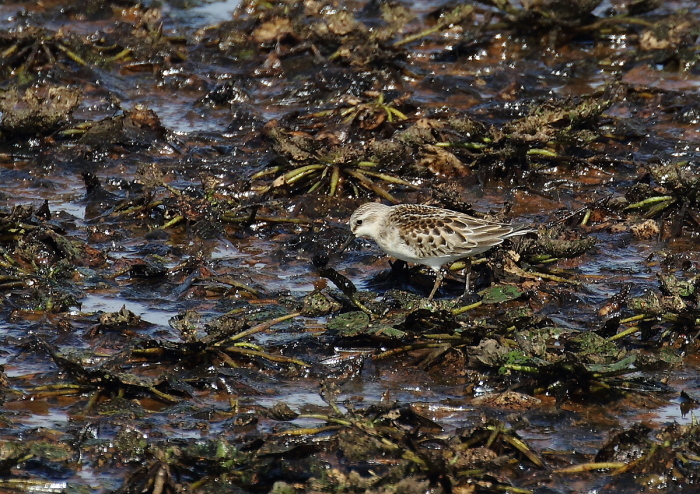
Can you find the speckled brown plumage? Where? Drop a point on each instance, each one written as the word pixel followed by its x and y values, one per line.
pixel 428 235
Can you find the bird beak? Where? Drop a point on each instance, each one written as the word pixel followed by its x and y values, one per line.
pixel 346 244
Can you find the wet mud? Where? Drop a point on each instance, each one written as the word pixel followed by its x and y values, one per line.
pixel 176 183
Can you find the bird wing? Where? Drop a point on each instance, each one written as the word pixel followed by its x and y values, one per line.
pixel 434 232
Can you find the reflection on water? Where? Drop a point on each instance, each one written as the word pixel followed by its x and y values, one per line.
pixel 184 272
pixel 99 303
pixel 209 12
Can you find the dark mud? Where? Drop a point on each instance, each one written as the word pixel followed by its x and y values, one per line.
pixel 176 181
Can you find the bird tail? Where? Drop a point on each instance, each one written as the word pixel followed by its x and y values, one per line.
pixel 520 229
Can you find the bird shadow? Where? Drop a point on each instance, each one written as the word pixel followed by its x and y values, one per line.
pixel 419 280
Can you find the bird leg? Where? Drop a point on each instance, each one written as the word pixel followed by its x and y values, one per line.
pixel 467 274
pixel 438 279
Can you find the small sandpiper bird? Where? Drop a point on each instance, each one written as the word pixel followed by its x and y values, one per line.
pixel 429 235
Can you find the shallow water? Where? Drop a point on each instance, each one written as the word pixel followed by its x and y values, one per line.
pixel 495 81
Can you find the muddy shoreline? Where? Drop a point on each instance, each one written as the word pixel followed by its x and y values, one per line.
pixel 175 187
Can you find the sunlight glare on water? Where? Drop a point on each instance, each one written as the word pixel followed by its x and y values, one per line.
pixel 211 12
pixel 95 303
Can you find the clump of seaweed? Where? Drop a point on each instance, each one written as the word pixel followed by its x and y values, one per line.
pixel 409 441
pixel 139 43
pixel 673 311
pixel 550 132
pixel 664 455
pixel 547 15
pixel 135 128
pixel 673 195
pixel 226 344
pixel 118 376
pixel 336 34
pixel 28 50
pixel 204 211
pixel 368 113
pixel 39 260
pixel 312 164
pixel 670 42
pixel 39 110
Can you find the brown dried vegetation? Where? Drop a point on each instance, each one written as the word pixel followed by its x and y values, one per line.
pixel 175 316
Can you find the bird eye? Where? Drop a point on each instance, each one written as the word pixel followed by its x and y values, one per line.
pixel 358 222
